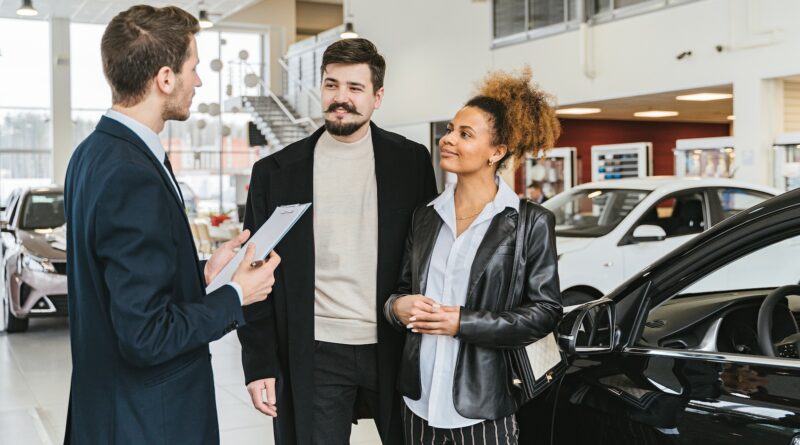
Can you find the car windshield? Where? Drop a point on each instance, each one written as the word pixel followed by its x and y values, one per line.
pixel 43 211
pixel 591 213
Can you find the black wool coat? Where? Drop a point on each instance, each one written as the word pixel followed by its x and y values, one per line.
pixel 278 339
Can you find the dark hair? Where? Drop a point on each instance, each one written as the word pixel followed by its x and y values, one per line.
pixel 138 42
pixel 355 51
pixel 521 115
pixel 535 185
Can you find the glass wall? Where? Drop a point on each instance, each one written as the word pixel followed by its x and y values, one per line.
pixel 210 167
pixel 26 144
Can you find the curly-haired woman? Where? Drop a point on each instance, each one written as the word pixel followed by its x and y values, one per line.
pixel 457 268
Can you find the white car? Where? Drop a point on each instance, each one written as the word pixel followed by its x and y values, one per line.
pixel 608 231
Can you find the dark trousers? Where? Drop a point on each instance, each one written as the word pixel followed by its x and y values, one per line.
pixel 490 432
pixel 345 388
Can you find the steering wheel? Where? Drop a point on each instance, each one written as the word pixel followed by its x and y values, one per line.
pixel 789 346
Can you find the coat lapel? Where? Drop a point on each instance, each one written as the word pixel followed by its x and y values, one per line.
pixel 428 233
pixel 115 128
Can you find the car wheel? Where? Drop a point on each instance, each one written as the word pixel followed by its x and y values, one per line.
pixel 12 324
pixel 574 297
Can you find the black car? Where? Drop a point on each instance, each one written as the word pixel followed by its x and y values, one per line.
pixel 701 347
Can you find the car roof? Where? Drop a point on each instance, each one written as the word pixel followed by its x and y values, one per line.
pixel 44 189
pixel 671 183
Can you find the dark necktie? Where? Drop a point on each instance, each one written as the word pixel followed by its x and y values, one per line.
pixel 172 175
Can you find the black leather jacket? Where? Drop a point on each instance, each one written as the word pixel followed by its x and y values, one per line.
pixel 482 384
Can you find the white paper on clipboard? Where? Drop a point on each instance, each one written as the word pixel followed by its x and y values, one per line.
pixel 265 239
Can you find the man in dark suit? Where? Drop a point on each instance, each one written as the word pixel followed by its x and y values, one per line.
pixel 536 193
pixel 319 348
pixel 140 320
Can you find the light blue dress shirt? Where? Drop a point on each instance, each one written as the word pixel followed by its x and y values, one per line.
pixel 153 142
pixel 448 278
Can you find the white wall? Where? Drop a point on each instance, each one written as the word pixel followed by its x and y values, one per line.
pixel 437 50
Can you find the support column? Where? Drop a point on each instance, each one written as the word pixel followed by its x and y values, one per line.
pixel 757 105
pixel 61 102
pixel 276 48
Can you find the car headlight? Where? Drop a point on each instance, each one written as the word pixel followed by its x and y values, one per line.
pixel 36 264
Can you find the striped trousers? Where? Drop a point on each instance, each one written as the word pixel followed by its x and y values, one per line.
pixel 490 432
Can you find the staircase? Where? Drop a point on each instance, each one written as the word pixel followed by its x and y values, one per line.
pixel 277 120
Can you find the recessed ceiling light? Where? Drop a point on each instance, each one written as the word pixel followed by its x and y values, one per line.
pixel 655 113
pixel 576 111
pixel 705 97
pixel 731 118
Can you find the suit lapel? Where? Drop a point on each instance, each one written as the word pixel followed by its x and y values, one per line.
pixel 115 128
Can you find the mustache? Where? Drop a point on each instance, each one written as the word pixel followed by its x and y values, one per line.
pixel 345 106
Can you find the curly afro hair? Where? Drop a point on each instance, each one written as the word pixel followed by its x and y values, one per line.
pixel 523 116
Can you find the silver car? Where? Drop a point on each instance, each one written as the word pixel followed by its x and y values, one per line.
pixel 33 257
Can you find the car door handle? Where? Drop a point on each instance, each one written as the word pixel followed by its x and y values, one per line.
pixel 608 264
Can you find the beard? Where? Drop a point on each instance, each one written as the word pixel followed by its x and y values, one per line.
pixel 174 109
pixel 338 128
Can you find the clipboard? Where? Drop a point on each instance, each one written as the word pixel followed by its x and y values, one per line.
pixel 265 239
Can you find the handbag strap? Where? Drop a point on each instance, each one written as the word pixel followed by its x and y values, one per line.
pixel 520 256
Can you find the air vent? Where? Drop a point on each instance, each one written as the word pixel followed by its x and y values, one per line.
pixel 655 324
pixel 674 344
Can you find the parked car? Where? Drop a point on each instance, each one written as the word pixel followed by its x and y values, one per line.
pixel 699 348
pixel 608 231
pixel 33 257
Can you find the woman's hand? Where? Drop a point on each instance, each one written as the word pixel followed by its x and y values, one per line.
pixel 445 320
pixel 408 306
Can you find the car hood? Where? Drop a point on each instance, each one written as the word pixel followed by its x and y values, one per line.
pixel 50 244
pixel 568 245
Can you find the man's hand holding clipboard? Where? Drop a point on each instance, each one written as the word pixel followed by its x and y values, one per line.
pixel 256 255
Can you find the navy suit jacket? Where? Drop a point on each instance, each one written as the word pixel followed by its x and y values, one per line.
pixel 140 321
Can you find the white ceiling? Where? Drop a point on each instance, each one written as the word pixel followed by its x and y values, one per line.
pixel 102 11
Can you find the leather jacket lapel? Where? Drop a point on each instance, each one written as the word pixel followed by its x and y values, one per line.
pixel 503 225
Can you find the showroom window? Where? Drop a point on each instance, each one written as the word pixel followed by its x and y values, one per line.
pixel 90 93
pixel 520 20
pixel 26 144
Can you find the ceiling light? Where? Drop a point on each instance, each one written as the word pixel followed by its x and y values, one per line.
pixel 27 9
pixel 578 111
pixel 655 113
pixel 731 118
pixel 348 32
pixel 205 23
pixel 704 97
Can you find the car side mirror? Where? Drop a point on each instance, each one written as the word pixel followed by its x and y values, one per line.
pixel 649 232
pixel 4 226
pixel 589 329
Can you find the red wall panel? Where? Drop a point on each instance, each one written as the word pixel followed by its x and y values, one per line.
pixel 583 133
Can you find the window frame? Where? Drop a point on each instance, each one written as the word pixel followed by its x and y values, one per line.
pixel 568 24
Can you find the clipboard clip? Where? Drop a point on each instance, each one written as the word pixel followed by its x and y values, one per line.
pixel 289 208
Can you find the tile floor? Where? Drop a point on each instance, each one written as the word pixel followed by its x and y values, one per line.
pixel 34 387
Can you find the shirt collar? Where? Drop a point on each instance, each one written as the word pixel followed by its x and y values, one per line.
pixel 505 197
pixel 144 132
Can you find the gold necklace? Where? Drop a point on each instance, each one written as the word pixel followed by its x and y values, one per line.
pixel 472 216
pixel 468 217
